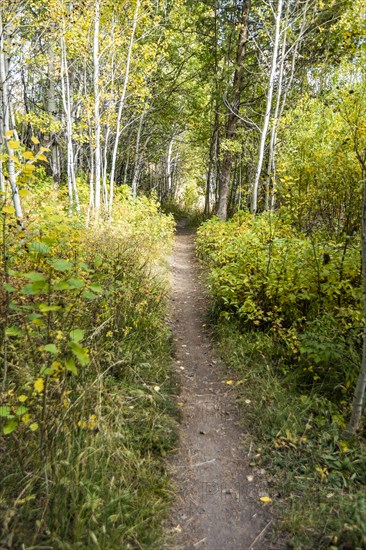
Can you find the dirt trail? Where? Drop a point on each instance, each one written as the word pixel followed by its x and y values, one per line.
pixel 218 507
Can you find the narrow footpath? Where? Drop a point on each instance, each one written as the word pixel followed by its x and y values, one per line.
pixel 218 506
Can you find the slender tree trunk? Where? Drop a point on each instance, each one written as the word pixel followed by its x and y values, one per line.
pixel 120 108
pixel 8 131
pixel 66 100
pixel 97 152
pixel 169 166
pixel 273 141
pixel 232 123
pixel 359 395
pixel 52 110
pixel 268 108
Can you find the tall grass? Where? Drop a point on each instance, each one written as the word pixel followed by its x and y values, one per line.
pixel 86 412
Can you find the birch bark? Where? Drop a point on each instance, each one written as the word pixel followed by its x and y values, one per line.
pixel 268 108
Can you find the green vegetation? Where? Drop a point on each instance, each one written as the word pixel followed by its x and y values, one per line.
pixel 86 416
pixel 289 313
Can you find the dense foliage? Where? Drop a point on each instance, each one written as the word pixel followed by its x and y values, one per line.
pixel 84 413
pixel 290 320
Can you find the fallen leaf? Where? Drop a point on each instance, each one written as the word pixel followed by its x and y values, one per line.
pixel 229 382
pixel 266 500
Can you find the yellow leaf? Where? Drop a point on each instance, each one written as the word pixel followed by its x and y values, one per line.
pixel 42 157
pixel 29 168
pixel 34 140
pixel 157 388
pixel 26 418
pixel 8 209
pixel 266 500
pixel 343 446
pixel 28 155
pixel 22 398
pixel 229 382
pixel 33 426
pixel 24 193
pixel 14 144
pixel 39 385
pixel 9 133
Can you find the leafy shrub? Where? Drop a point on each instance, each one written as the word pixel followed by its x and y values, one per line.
pixel 298 289
pixel 84 340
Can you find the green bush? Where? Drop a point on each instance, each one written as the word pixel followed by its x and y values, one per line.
pixel 85 411
pixel 305 293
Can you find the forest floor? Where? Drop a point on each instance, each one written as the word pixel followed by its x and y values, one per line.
pixel 218 492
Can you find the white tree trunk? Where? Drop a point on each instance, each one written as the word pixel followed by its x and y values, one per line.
pixel 120 108
pixel 169 166
pixel 268 108
pixel 6 118
pixel 97 153
pixel 66 100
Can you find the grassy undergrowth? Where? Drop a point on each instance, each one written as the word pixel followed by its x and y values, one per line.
pixel 86 415
pixel 288 310
pixel 317 479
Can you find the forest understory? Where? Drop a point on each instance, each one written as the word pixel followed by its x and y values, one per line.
pixel 119 122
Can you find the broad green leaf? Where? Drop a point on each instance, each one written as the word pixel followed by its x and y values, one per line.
pixel 40 247
pixel 10 427
pixel 51 348
pixel 34 276
pixel 34 289
pixel 4 411
pixel 76 283
pixel 96 288
pixel 9 288
pixel 61 265
pixel 13 331
pixel 21 410
pixel 89 295
pixel 45 308
pixel 80 353
pixel 70 366
pixel 77 335
pixel 62 285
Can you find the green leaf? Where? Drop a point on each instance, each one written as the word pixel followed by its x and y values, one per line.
pixel 51 348
pixel 70 366
pixel 5 411
pixel 45 308
pixel 33 289
pixel 96 288
pixel 13 331
pixel 34 276
pixel 80 353
pixel 89 295
pixel 9 288
pixel 62 285
pixel 61 265
pixel 39 247
pixel 76 283
pixel 76 335
pixel 21 410
pixel 10 427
